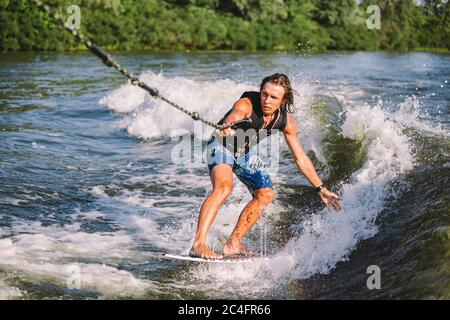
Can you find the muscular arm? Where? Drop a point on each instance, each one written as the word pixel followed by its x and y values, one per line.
pixel 305 165
pixel 241 109
pixel 302 161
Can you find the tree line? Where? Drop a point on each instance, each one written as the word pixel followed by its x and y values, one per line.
pixel 177 25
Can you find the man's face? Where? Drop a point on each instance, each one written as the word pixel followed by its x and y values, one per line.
pixel 271 98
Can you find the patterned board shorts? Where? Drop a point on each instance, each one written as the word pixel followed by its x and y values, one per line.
pixel 249 168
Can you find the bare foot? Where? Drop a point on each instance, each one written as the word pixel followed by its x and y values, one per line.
pixel 202 251
pixel 240 249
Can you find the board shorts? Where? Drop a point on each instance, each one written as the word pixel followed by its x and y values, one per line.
pixel 249 168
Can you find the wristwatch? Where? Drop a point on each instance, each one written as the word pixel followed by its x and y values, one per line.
pixel 319 188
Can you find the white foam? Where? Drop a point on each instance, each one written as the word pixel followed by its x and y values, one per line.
pixel 143 223
pixel 149 118
pixel 8 293
pixel 52 252
pixel 241 279
pixel 125 99
pixel 409 115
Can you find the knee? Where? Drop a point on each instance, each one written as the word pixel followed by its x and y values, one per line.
pixel 265 196
pixel 223 191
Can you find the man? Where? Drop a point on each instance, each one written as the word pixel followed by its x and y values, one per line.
pixel 256 113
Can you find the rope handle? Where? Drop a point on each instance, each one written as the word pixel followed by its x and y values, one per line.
pixel 233 124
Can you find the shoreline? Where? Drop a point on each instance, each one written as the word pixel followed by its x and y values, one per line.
pixel 292 51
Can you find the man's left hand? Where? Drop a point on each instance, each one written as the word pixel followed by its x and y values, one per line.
pixel 330 199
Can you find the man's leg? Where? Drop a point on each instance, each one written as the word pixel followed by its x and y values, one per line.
pixel 222 180
pixel 251 213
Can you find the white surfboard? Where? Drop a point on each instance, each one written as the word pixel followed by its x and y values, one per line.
pixel 226 259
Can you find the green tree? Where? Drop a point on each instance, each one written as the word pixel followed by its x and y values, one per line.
pixel 229 24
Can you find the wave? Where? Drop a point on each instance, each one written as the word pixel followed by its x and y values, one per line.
pixel 361 151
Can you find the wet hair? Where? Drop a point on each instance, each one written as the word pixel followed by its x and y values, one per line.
pixel 280 79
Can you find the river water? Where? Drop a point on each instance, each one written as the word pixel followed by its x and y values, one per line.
pixel 92 190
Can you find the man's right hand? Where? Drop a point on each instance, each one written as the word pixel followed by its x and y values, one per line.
pixel 227 131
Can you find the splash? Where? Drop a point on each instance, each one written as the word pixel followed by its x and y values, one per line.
pixel 150 118
pixel 55 253
pixel 329 237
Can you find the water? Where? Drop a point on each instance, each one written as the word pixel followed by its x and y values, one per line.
pixel 90 190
